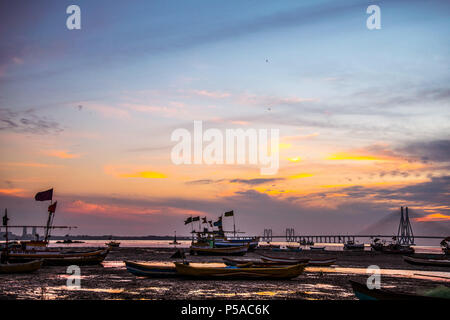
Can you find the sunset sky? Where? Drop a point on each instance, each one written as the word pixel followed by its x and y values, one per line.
pixel 363 114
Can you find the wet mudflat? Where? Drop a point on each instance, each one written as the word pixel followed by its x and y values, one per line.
pixel 112 281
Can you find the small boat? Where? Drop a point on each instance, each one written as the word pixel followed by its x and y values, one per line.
pixel 113 244
pixel 397 249
pixel 61 258
pixel 229 251
pixel 352 246
pixel 268 246
pixel 289 261
pixel 240 273
pixel 68 241
pixel 317 248
pixel 293 248
pixel 363 293
pixel 147 270
pixel 24 267
pixel 226 242
pixel 427 261
pixel 174 239
pixel 258 263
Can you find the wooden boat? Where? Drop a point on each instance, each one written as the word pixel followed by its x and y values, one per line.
pixel 258 263
pixel 23 267
pixel 61 258
pixel 226 242
pixel 289 261
pixel 239 273
pixel 351 246
pixel 317 248
pixel 147 270
pixel 427 261
pixel 229 251
pixel 69 241
pixel 113 244
pixel 397 249
pixel 363 293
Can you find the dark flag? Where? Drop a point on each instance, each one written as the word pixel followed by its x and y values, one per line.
pixel 204 220
pixel 44 195
pixel 188 220
pixel 229 213
pixel 218 223
pixel 52 207
pixel 5 218
pixel 210 223
pixel 196 219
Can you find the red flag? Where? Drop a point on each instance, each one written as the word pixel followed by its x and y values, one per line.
pixel 52 207
pixel 44 195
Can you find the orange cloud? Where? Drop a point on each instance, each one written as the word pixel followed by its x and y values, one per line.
pixel 14 192
pixel 433 217
pixel 62 154
pixel 144 174
pixel 355 157
pixel 301 175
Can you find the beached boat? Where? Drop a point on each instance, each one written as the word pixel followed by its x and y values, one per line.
pixel 424 261
pixel 226 242
pixel 236 273
pixel 394 248
pixel 23 267
pixel 259 263
pixel 289 261
pixel 352 246
pixel 147 270
pixel 113 244
pixel 228 251
pixel 61 258
pixel 363 293
pixel 317 248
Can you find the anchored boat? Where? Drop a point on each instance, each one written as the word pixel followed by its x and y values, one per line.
pixel 289 261
pixel 210 251
pixel 428 261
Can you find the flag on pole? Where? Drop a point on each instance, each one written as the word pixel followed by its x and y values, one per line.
pixel 210 223
pixel 218 223
pixel 188 220
pixel 44 195
pixel 196 219
pixel 229 213
pixel 5 218
pixel 204 220
pixel 52 207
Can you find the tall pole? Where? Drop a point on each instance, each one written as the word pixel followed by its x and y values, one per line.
pixel 234 226
pixel 49 221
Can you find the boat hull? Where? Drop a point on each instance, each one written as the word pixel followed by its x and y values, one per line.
pixel 427 262
pixel 239 273
pixel 363 293
pixel 151 271
pixel 232 251
pixel 58 258
pixel 24 267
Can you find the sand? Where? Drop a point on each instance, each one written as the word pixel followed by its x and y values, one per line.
pixel 112 281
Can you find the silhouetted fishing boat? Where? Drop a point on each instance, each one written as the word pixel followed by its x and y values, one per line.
pixel 61 258
pixel 260 263
pixel 148 270
pixel 289 261
pixel 395 248
pixel 113 244
pixel 424 261
pixel 236 273
pixel 352 246
pixel 230 251
pixel 317 248
pixel 69 241
pixel 174 239
pixel 22 267
pixel 363 293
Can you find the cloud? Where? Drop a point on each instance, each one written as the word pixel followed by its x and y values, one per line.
pixel 144 174
pixel 256 181
pixel 211 94
pixel 62 154
pixel 434 217
pixel 428 151
pixel 27 122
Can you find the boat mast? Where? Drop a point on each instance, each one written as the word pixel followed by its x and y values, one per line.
pixel 5 223
pixel 49 223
